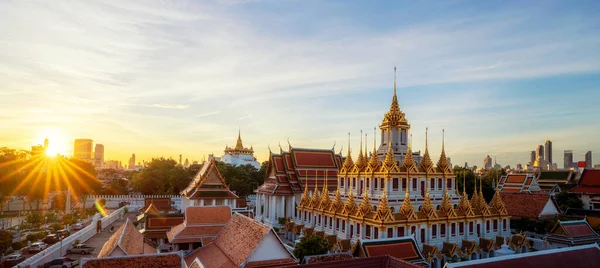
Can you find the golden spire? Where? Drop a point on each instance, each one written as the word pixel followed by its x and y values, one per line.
pixel 389 156
pixel 350 205
pixel 384 212
pixel 464 205
pixel 337 201
pixel 475 197
pixel 365 205
pixel 360 160
pixel 394 117
pixel 427 206
pixel 409 162
pixel 305 199
pixel 497 202
pixel 446 206
pixel 325 200
pixel 348 163
pixel 442 163
pixel 238 145
pixel 374 161
pixel 316 199
pixel 426 163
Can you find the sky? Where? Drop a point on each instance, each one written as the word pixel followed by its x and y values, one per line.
pixel 163 78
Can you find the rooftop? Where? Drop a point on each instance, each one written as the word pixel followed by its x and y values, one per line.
pixel 128 239
pixel 523 204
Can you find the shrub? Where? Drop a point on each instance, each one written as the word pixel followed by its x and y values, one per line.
pixel 17 245
pixel 311 245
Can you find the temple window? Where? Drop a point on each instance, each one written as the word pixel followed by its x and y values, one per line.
pixel 390 232
pixel 413 230
pixel 367 231
pixel 461 228
pixel 449 184
pixel 381 183
pixel 487 226
pixel 354 183
pixel 343 225
pixel 504 224
pixel 495 225
pixel 443 230
pixel 471 228
pixel 395 184
pixel 414 184
pixel 434 231
pixel 432 184
pixel 342 182
pixel 357 228
pixel 375 232
pixel 440 183
pixel 422 235
pixel 404 184
pixel 392 209
pixel 337 224
pixel 400 232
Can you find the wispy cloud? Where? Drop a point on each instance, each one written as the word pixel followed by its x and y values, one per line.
pixel 169 106
pixel 208 114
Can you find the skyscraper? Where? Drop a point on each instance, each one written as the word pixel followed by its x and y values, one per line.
pixel 548 151
pixel 568 159
pixel 83 149
pixel 487 162
pixel 532 159
pixel 132 162
pixel 588 160
pixel 99 156
pixel 539 152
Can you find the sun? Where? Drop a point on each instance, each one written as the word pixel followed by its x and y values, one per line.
pixel 57 141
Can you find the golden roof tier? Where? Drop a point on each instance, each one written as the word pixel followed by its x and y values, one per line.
pixel 394 118
pixel 239 147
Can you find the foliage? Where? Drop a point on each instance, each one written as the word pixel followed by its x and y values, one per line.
pixel 117 187
pixel 102 202
pixel 5 240
pixel 311 245
pixel 566 200
pixel 17 245
pixel 34 218
pixel 36 236
pixel 243 179
pixel 56 226
pixel 281 221
pixel 161 177
pixel 50 217
pixel 71 218
pixel 541 226
pixel 489 179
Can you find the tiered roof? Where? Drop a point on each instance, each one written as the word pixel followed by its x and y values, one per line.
pixel 516 183
pixel 589 182
pixel 201 224
pixel 573 233
pixel 289 172
pixel 239 147
pixel 404 248
pixel 208 184
pixel 548 180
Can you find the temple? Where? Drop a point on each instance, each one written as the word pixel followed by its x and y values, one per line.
pixel 390 193
pixel 208 188
pixel 239 155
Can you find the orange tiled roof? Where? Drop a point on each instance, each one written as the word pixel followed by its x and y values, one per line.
pixel 167 222
pixel 128 239
pixel 160 204
pixel 200 222
pixel 169 260
pixel 401 248
pixel 207 215
pixel 371 262
pixel 590 177
pixel 525 204
pixel 271 263
pixel 211 255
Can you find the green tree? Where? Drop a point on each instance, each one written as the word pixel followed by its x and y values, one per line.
pixel 161 176
pixel 242 179
pixel 311 245
pixel 34 219
pixel 117 187
pixel 566 200
pixel 5 240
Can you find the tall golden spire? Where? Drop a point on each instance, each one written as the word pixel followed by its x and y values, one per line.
pixel 374 161
pixel 238 145
pixel 475 197
pixel 350 205
pixel 409 162
pixel 442 163
pixel 305 199
pixel 325 199
pixel 427 206
pixel 316 199
pixel 426 163
pixel 360 160
pixel 497 202
pixel 446 206
pixel 464 205
pixel 394 117
pixel 337 201
pixel 348 163
pixel 389 156
pixel 365 205
pixel 384 212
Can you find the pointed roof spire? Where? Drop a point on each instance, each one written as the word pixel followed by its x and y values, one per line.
pixel 427 206
pixel 348 163
pixel 383 210
pixel 305 199
pixel 360 161
pixel 426 163
pixel 394 81
pixel 374 161
pixel 409 162
pixel 365 205
pixel 442 163
pixel 325 200
pixel 394 117
pixel 239 145
pixel 350 205
pixel 464 205
pixel 316 198
pixel 389 156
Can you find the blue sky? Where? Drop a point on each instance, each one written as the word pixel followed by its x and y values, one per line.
pixel 180 77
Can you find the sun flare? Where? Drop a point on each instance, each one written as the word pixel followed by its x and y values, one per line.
pixel 57 141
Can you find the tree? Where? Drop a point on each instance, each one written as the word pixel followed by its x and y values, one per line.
pixel 5 240
pixel 311 245
pixel 566 200
pixel 34 218
pixel 242 179
pixel 161 176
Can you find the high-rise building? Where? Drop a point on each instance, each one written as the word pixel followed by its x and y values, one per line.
pixel 532 159
pixel 83 149
pixel 180 159
pixel 132 162
pixel 548 151
pixel 539 152
pixel 588 160
pixel 487 162
pixel 568 159
pixel 99 156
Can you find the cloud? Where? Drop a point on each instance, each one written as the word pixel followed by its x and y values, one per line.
pixel 208 114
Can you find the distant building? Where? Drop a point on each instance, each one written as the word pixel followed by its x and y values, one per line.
pixel 180 160
pixel 519 167
pixel 548 151
pixel 568 159
pixel 532 158
pixel 487 162
pixel 131 162
pixel 83 149
pixel 99 156
pixel 588 160
pixel 239 155
pixel 37 150
pixel 186 163
pixel 539 152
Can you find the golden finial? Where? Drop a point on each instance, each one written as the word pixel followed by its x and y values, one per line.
pixel 409 162
pixel 289 144
pixel 427 206
pixel 316 198
pixel 394 117
pixel 366 151
pixel 238 145
pixel 443 164
pixel 426 163
pixel 374 161
pixel 389 156
pixel 348 163
pixel 350 205
pixel 325 201
pixel 360 161
pixel 365 205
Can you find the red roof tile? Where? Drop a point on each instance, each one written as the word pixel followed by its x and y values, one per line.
pixel 169 260
pixel 401 248
pixel 270 263
pixel 529 205
pixel 516 178
pixel 510 190
pixel 313 158
pixel 128 238
pixel 370 262
pixel 161 204
pixel 238 247
pixel 211 256
pixel 155 223
pixel 582 189
pixel 590 177
pixel 587 256
pixel 207 215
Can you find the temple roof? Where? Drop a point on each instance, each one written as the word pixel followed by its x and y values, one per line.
pixel 128 239
pixel 394 117
pixel 529 205
pixel 404 248
pixel 589 182
pixel 201 224
pixel 239 147
pixel 208 184
pixel 572 233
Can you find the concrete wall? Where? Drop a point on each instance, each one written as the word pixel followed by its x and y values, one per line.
pixel 113 201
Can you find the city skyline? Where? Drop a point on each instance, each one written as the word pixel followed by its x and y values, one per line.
pixel 182 78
